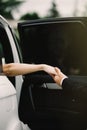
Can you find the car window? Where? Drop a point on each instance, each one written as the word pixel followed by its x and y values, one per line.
pixel 6 50
pixel 6 45
pixel 1 57
pixel 62 44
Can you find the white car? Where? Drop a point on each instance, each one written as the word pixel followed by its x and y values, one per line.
pixel 9 118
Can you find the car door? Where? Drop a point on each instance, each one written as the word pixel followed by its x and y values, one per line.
pixel 60 42
pixel 11 51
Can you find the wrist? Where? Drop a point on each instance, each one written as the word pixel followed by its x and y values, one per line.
pixel 62 80
pixel 41 67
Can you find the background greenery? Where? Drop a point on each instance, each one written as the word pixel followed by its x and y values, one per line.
pixel 8 6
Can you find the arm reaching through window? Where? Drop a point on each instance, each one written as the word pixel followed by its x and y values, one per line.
pixel 13 69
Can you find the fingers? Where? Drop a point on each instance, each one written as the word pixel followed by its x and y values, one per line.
pixel 50 70
pixel 57 70
pixel 57 77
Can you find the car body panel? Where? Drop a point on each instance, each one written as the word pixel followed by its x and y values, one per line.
pixel 9 87
pixel 14 52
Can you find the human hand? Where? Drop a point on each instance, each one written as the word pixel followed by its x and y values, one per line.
pixel 50 70
pixel 59 76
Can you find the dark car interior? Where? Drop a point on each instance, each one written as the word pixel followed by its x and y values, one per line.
pixel 62 43
pixel 6 51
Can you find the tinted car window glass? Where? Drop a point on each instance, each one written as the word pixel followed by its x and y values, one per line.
pixel 59 44
pixel 6 45
pixel 6 49
pixel 1 57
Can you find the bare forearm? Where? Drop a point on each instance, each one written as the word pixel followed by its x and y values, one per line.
pixel 14 69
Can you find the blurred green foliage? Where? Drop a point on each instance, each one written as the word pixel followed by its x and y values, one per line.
pixel 7 6
pixel 30 16
pixel 52 12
